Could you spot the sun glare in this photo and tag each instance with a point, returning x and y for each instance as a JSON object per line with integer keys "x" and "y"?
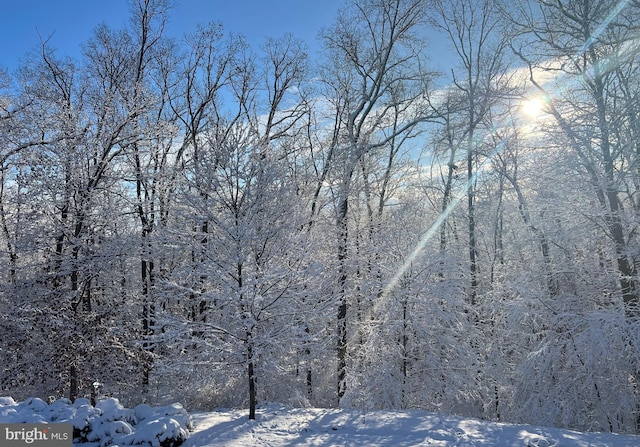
{"x": 532, "y": 107}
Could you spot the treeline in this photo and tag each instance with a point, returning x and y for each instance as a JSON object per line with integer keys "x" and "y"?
{"x": 200, "y": 220}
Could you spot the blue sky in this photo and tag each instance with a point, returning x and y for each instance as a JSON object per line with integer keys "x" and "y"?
{"x": 71, "y": 22}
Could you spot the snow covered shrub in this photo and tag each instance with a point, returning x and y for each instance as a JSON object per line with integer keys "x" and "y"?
{"x": 582, "y": 374}
{"x": 112, "y": 410}
{"x": 108, "y": 423}
{"x": 162, "y": 432}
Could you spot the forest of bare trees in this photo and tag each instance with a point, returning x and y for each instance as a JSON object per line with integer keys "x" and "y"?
{"x": 199, "y": 220}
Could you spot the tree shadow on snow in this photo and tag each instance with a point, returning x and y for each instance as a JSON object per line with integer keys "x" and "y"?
{"x": 277, "y": 425}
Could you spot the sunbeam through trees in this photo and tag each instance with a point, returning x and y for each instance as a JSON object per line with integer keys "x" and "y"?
{"x": 203, "y": 220}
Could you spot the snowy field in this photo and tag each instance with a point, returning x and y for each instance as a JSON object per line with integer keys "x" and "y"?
{"x": 110, "y": 424}
{"x": 279, "y": 426}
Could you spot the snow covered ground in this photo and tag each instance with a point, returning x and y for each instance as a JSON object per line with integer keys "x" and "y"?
{"x": 109, "y": 423}
{"x": 280, "y": 426}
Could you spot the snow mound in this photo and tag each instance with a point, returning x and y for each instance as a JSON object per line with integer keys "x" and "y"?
{"x": 165, "y": 432}
{"x": 108, "y": 423}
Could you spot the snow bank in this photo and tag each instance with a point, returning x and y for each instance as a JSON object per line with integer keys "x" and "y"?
{"x": 106, "y": 424}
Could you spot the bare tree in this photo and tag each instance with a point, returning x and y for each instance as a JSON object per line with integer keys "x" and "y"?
{"x": 482, "y": 81}
{"x": 242, "y": 195}
{"x": 373, "y": 70}
{"x": 592, "y": 43}
{"x": 580, "y": 56}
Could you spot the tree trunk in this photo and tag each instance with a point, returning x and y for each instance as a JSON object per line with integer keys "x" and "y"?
{"x": 342, "y": 307}
{"x": 252, "y": 379}
{"x": 405, "y": 349}
{"x": 473, "y": 251}
{"x": 73, "y": 383}
{"x": 309, "y": 375}
{"x": 148, "y": 309}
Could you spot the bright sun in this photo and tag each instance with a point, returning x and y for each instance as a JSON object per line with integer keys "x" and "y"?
{"x": 533, "y": 107}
